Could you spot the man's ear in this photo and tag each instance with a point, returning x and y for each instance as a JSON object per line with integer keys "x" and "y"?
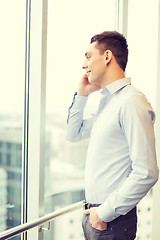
{"x": 108, "y": 56}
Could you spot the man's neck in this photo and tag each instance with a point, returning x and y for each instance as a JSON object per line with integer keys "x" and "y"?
{"x": 112, "y": 78}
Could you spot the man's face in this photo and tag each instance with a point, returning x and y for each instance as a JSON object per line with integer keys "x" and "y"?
{"x": 95, "y": 64}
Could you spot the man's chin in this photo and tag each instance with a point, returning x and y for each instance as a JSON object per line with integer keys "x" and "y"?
{"x": 92, "y": 81}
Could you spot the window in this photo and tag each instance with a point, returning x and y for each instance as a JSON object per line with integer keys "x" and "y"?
{"x": 69, "y": 31}
{"x": 71, "y": 24}
{"x": 142, "y": 41}
{"x": 12, "y": 74}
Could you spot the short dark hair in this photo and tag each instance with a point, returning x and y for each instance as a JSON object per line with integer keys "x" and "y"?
{"x": 116, "y": 43}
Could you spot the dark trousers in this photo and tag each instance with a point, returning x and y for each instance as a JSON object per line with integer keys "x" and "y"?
{"x": 122, "y": 228}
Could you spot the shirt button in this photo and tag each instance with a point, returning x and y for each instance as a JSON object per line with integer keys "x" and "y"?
{"x": 125, "y": 230}
{"x": 111, "y": 229}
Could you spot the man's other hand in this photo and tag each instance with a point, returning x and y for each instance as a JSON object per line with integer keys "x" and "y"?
{"x": 95, "y": 221}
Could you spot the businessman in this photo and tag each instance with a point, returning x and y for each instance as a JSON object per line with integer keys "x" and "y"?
{"x": 121, "y": 164}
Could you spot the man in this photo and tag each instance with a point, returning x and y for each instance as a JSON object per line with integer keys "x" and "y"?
{"x": 121, "y": 162}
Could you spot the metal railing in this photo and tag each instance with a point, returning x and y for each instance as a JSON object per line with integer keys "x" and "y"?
{"x": 39, "y": 222}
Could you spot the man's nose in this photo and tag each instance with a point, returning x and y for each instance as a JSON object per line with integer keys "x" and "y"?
{"x": 84, "y": 65}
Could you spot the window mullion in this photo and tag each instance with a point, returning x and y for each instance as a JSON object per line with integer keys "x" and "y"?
{"x": 36, "y": 145}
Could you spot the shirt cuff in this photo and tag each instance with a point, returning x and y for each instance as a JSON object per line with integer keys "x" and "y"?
{"x": 106, "y": 213}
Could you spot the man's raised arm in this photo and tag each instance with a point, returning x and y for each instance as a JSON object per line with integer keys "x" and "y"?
{"x": 79, "y": 128}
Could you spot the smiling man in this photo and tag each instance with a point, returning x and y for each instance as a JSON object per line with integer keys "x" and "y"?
{"x": 121, "y": 164}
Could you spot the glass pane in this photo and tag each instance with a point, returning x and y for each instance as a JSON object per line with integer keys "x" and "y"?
{"x": 142, "y": 41}
{"x": 142, "y": 68}
{"x": 12, "y": 75}
{"x": 71, "y": 24}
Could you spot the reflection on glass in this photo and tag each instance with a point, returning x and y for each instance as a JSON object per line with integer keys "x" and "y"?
{"x": 12, "y": 75}
{"x": 69, "y": 31}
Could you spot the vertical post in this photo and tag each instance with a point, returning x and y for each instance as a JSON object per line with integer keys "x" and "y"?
{"x": 37, "y": 96}
{"x": 26, "y": 120}
{"x": 121, "y": 23}
{"x": 156, "y": 189}
{"x": 116, "y": 24}
{"x": 121, "y": 18}
{"x": 43, "y": 104}
{"x": 43, "y": 111}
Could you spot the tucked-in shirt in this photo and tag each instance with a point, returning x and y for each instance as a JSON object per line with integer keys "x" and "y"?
{"x": 121, "y": 163}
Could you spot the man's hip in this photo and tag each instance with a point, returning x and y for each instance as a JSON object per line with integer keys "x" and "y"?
{"x": 122, "y": 228}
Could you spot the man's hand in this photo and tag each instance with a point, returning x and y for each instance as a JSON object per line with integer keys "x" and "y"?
{"x": 85, "y": 88}
{"x": 95, "y": 221}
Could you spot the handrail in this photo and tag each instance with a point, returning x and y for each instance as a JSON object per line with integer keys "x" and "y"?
{"x": 27, "y": 226}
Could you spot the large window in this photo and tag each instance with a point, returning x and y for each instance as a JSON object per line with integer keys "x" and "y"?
{"x": 12, "y": 75}
{"x": 142, "y": 40}
{"x": 55, "y": 166}
{"x": 71, "y": 24}
{"x": 142, "y": 68}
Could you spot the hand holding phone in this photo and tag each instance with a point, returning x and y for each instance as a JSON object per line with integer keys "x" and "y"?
{"x": 85, "y": 87}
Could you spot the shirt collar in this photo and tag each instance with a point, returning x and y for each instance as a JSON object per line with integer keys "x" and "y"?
{"x": 116, "y": 85}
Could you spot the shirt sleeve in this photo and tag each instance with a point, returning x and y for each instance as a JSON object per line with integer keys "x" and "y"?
{"x": 137, "y": 122}
{"x": 78, "y": 128}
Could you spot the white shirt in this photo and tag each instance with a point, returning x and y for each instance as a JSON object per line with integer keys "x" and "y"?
{"x": 121, "y": 163}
